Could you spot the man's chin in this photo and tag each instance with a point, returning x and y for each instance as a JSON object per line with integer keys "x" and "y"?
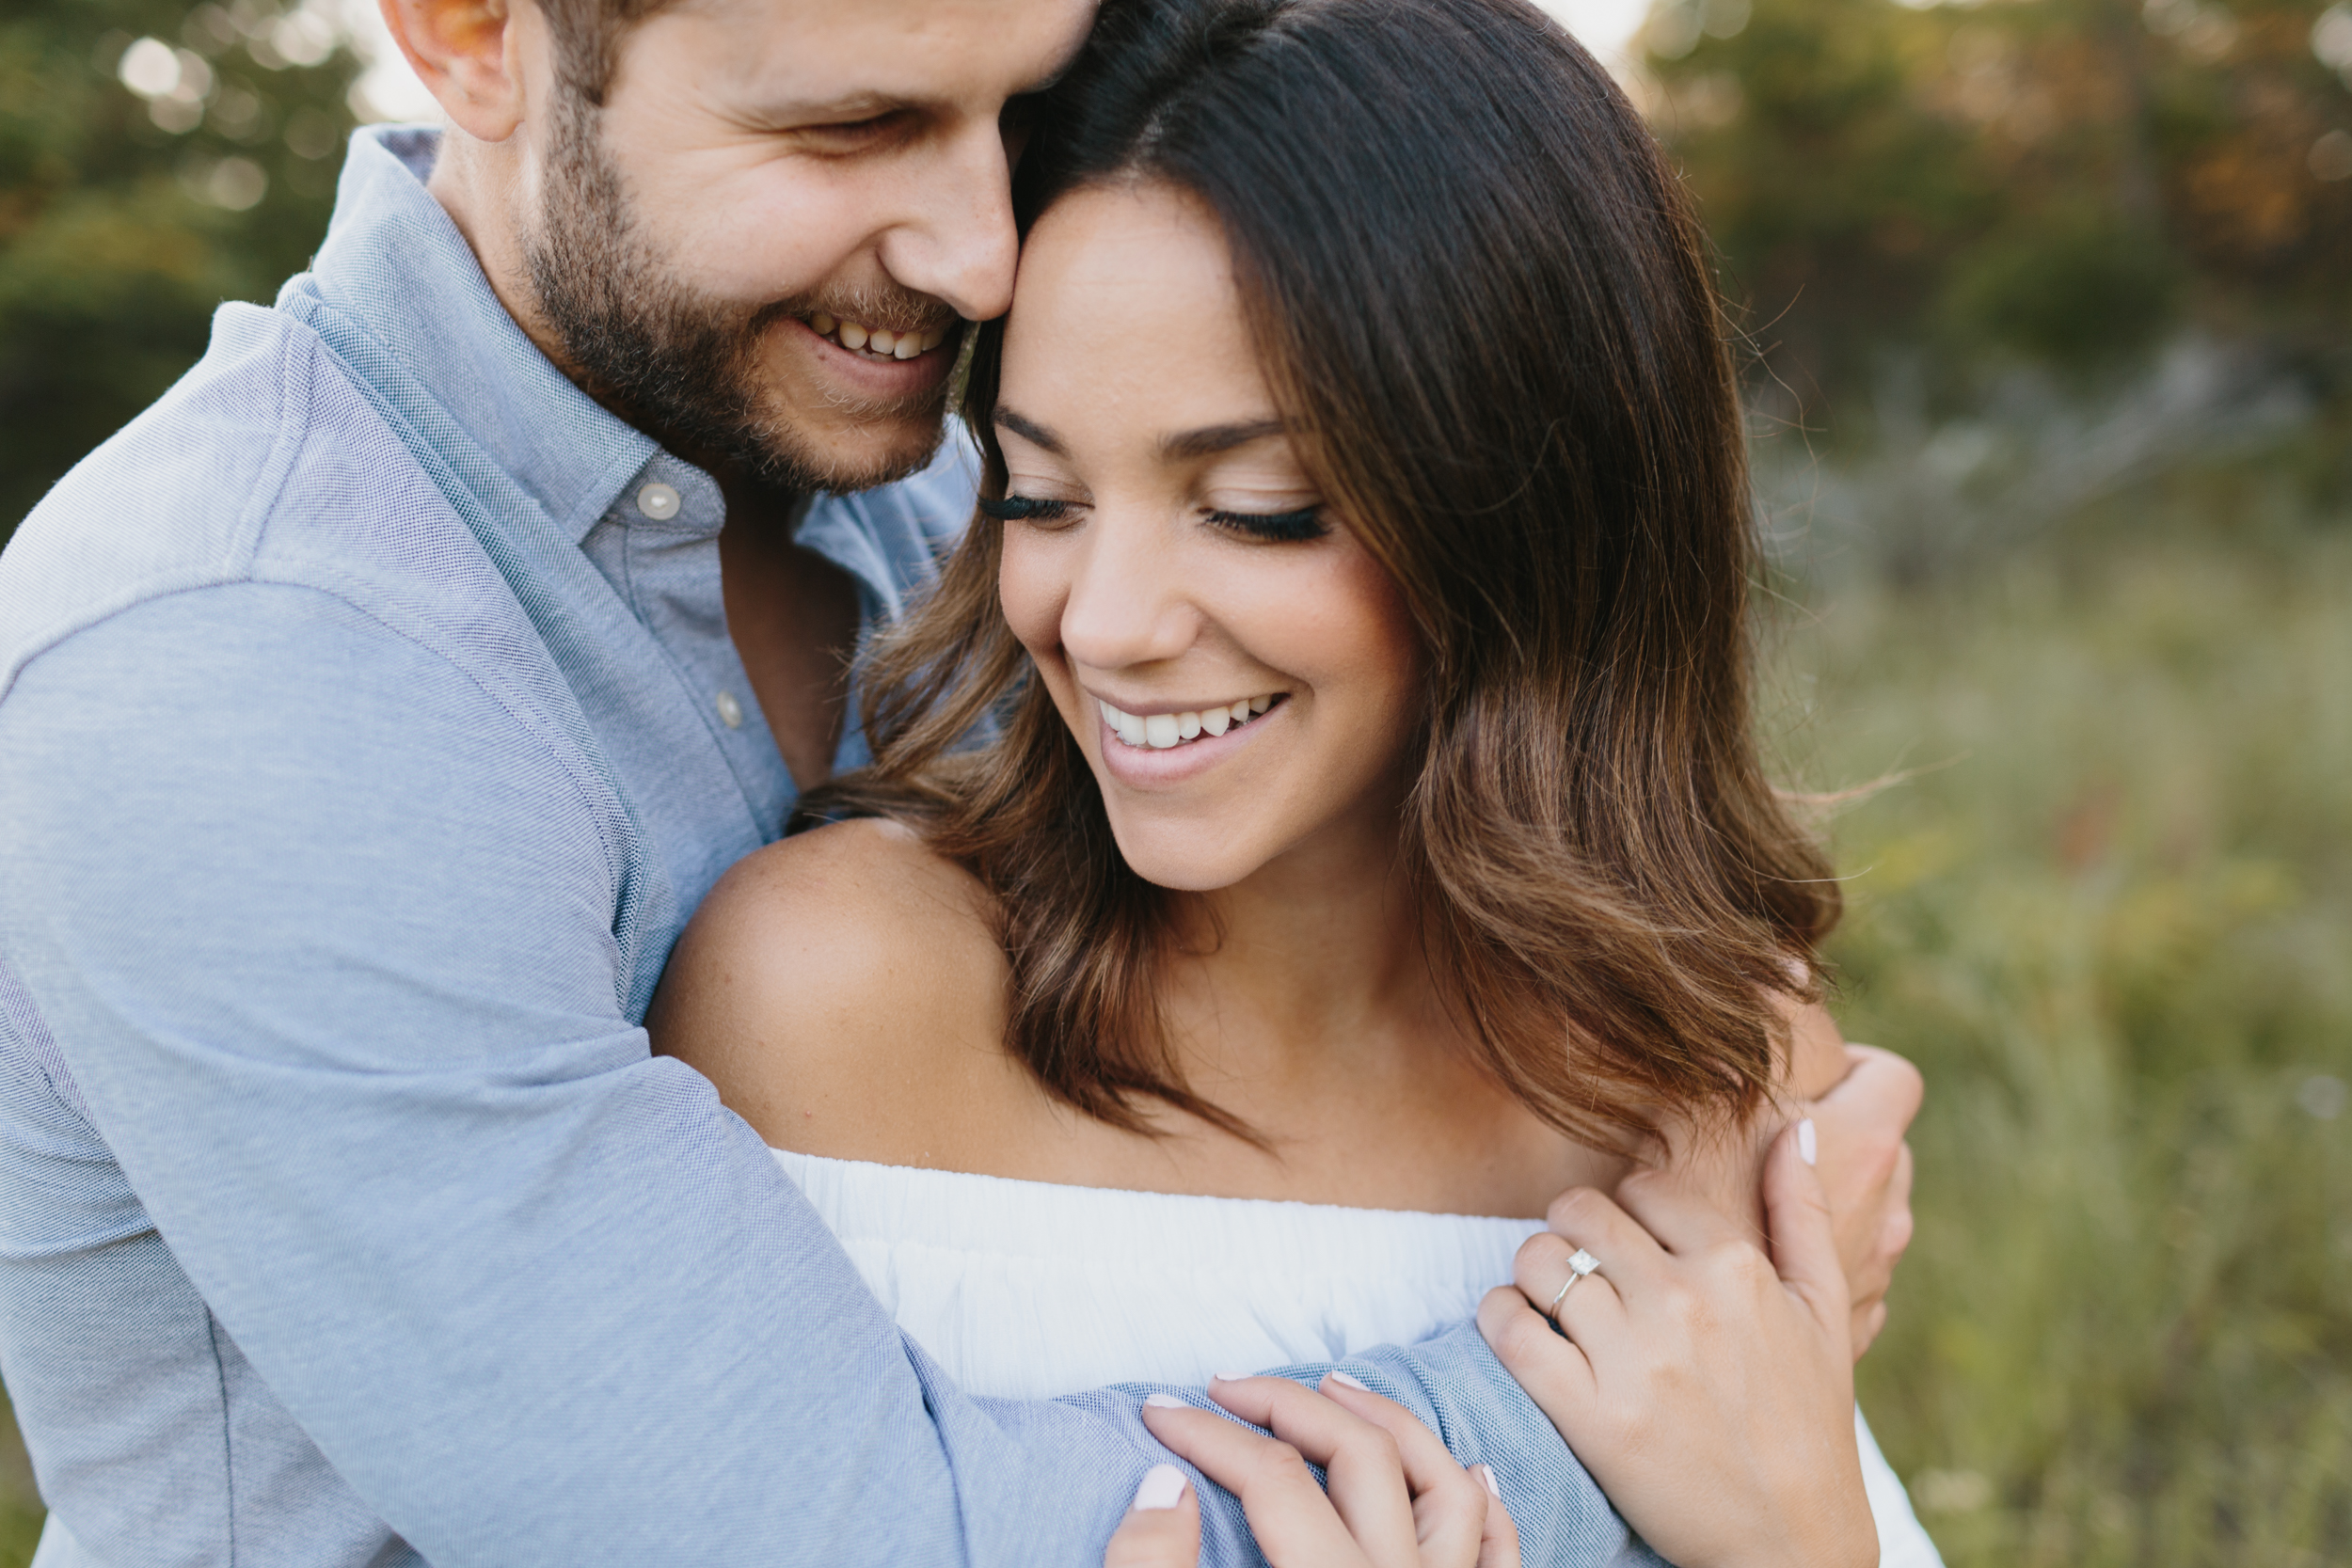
{"x": 863, "y": 454}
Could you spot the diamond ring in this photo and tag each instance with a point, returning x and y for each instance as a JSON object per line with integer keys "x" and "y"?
{"x": 1579, "y": 1264}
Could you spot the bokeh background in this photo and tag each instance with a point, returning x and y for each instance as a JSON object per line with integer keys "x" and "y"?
{"x": 2048, "y": 313}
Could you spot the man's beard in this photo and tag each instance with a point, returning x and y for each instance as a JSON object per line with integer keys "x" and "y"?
{"x": 680, "y": 366}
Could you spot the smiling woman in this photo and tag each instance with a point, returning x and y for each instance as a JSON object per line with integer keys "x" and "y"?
{"x": 1493, "y": 600}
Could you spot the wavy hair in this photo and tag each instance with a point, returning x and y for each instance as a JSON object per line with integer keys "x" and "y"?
{"x": 1471, "y": 276}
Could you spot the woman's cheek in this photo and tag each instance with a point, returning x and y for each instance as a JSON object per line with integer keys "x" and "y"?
{"x": 1030, "y": 593}
{"x": 1366, "y": 638}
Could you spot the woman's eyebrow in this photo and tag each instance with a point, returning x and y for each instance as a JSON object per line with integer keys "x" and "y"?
{"x": 1029, "y": 431}
{"x": 1204, "y": 442}
{"x": 1211, "y": 440}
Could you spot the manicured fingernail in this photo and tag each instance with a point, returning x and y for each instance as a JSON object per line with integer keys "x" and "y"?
{"x": 1164, "y": 1401}
{"x": 1349, "y": 1382}
{"x": 1162, "y": 1487}
{"x": 1486, "y": 1474}
{"x": 1229, "y": 1377}
{"x": 1808, "y": 1142}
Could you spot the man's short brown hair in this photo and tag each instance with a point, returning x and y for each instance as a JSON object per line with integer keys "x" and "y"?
{"x": 588, "y": 37}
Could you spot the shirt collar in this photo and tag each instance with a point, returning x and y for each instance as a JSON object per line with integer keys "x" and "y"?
{"x": 395, "y": 260}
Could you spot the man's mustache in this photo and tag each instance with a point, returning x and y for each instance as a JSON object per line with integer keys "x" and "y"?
{"x": 899, "y": 311}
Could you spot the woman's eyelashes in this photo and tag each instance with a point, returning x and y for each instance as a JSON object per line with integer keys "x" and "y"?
{"x": 1306, "y": 522}
{"x": 1300, "y": 523}
{"x": 1026, "y": 509}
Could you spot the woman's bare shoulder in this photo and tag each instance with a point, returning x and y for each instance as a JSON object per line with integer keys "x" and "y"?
{"x": 839, "y": 987}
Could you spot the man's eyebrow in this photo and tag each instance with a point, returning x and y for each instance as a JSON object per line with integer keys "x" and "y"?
{"x": 1030, "y": 431}
{"x": 1211, "y": 440}
{"x": 855, "y": 107}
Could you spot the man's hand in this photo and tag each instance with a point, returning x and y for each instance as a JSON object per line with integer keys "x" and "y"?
{"x": 1867, "y": 1099}
{"x": 1866, "y": 1171}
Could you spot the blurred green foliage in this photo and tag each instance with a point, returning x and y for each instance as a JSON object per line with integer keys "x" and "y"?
{"x": 2111, "y": 918}
{"x": 126, "y": 217}
{"x": 2066, "y": 184}
{"x": 19, "y": 1506}
{"x": 19, "y": 1531}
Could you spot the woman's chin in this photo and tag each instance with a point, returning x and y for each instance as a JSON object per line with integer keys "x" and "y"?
{"x": 1181, "y": 859}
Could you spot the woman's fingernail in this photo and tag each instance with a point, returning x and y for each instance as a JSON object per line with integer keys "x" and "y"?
{"x": 1343, "y": 1379}
{"x": 1164, "y": 1401}
{"x": 1486, "y": 1474}
{"x": 1808, "y": 1142}
{"x": 1229, "y": 1377}
{"x": 1162, "y": 1487}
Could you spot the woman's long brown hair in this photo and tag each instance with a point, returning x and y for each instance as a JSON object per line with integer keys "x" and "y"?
{"x": 1481, "y": 297}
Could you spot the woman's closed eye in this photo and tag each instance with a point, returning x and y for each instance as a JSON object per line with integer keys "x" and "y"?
{"x": 1292, "y": 526}
{"x": 1305, "y": 522}
{"x": 1026, "y": 509}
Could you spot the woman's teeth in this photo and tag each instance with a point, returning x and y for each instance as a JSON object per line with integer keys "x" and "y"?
{"x": 1161, "y": 730}
{"x": 880, "y": 342}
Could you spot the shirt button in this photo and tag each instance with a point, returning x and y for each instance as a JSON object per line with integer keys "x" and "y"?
{"x": 659, "y": 501}
{"x": 730, "y": 711}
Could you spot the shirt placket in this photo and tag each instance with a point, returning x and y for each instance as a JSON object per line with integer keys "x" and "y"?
{"x": 659, "y": 544}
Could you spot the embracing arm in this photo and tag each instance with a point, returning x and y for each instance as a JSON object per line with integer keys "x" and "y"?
{"x": 325, "y": 937}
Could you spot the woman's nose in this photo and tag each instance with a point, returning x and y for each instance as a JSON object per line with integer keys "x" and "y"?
{"x": 1127, "y": 603}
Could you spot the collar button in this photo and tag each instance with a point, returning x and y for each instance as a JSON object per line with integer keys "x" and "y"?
{"x": 659, "y": 501}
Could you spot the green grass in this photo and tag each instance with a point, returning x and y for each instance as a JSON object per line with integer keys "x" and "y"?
{"x": 19, "y": 1510}
{"x": 19, "y": 1532}
{"x": 2113, "y": 926}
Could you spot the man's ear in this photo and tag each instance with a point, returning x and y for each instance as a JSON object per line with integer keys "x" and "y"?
{"x": 464, "y": 52}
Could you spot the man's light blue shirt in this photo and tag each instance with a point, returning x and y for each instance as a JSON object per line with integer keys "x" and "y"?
{"x": 365, "y": 741}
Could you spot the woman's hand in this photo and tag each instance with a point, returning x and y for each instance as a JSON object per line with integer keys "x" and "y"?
{"x": 1397, "y": 1499}
{"x": 1708, "y": 1388}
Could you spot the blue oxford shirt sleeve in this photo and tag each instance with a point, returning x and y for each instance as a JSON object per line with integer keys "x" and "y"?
{"x": 321, "y": 933}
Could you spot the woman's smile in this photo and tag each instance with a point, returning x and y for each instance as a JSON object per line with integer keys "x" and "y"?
{"x": 1170, "y": 747}
{"x": 1164, "y": 727}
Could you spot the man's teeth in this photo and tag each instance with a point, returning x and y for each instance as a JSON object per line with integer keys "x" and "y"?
{"x": 1161, "y": 730}
{"x": 878, "y": 341}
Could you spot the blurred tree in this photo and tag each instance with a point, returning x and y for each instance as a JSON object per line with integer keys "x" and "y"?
{"x": 2061, "y": 181}
{"x": 2058, "y": 182}
{"x": 156, "y": 159}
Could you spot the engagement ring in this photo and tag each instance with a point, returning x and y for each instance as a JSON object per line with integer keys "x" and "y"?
{"x": 1581, "y": 1263}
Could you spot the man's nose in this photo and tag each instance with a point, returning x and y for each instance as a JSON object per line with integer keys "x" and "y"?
{"x": 1127, "y": 605}
{"x": 958, "y": 243}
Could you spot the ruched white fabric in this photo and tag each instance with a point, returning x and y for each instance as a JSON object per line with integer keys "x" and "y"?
{"x": 1030, "y": 1290}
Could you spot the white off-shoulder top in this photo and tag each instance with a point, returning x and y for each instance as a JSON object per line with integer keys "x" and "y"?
{"x": 1029, "y": 1290}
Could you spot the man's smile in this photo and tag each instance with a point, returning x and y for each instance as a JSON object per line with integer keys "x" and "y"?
{"x": 877, "y": 343}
